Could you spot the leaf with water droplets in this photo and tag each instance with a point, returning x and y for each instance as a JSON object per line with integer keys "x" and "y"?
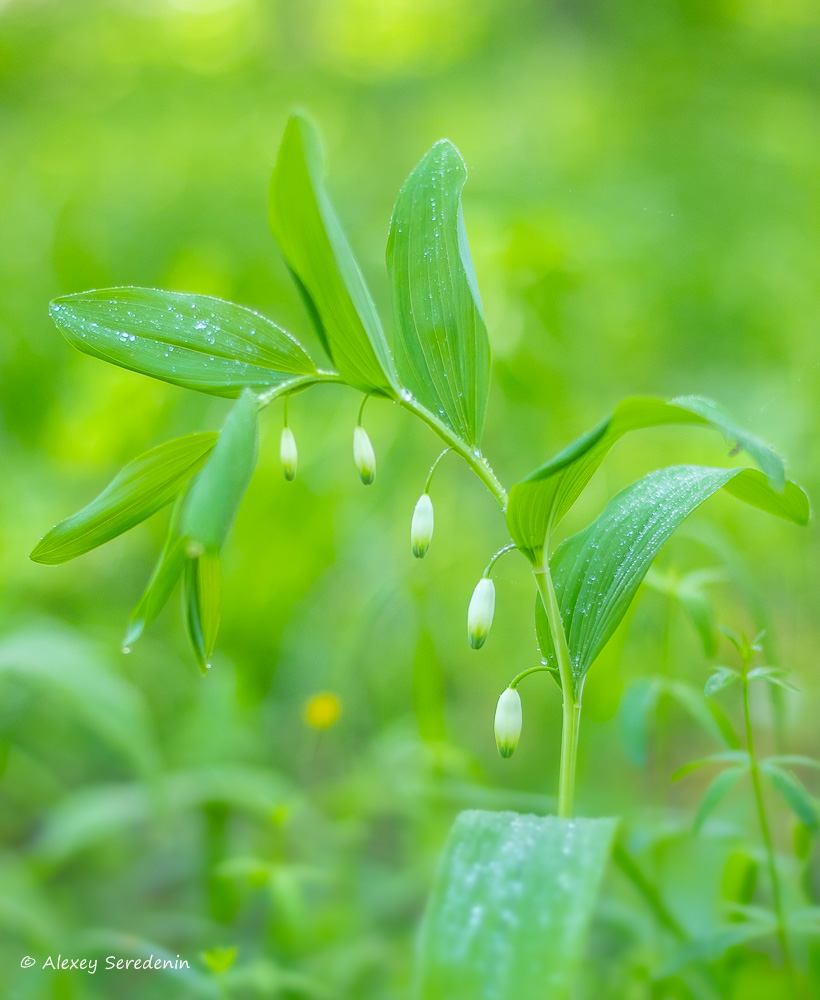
{"x": 442, "y": 350}
{"x": 143, "y": 487}
{"x": 194, "y": 341}
{"x": 597, "y": 572}
{"x": 511, "y": 906}
{"x": 539, "y": 501}
{"x": 321, "y": 261}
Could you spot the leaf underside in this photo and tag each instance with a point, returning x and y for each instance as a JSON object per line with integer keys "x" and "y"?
{"x": 597, "y": 572}
{"x": 441, "y": 345}
{"x": 538, "y": 502}
{"x": 511, "y": 906}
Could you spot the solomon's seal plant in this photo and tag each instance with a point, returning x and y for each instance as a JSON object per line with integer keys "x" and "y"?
{"x": 438, "y": 369}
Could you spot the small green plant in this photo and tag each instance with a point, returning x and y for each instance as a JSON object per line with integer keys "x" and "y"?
{"x": 438, "y": 370}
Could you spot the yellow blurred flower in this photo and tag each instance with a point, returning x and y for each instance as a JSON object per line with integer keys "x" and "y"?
{"x": 322, "y": 710}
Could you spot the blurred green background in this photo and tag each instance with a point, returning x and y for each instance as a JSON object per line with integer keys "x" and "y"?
{"x": 643, "y": 209}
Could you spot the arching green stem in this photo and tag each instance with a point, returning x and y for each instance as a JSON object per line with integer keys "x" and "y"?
{"x": 496, "y": 556}
{"x": 526, "y": 673}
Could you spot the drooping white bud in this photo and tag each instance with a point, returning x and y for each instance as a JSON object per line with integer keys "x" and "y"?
{"x": 421, "y": 527}
{"x": 480, "y": 612}
{"x": 508, "y": 720}
{"x": 364, "y": 456}
{"x": 288, "y": 454}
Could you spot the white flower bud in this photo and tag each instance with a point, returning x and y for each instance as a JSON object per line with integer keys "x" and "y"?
{"x": 288, "y": 454}
{"x": 421, "y": 527}
{"x": 508, "y": 719}
{"x": 364, "y": 456}
{"x": 480, "y": 612}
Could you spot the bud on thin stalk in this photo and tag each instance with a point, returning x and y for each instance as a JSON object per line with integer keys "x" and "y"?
{"x": 480, "y": 612}
{"x": 364, "y": 456}
{"x": 421, "y": 527}
{"x": 288, "y": 454}
{"x": 508, "y": 720}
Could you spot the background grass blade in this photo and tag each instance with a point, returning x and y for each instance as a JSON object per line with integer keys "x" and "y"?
{"x": 511, "y": 906}
{"x": 442, "y": 350}
{"x": 194, "y": 341}
{"x": 321, "y": 261}
{"x": 540, "y": 500}
{"x": 143, "y": 487}
{"x": 597, "y": 572}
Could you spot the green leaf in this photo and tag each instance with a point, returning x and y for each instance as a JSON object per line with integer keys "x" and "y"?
{"x": 167, "y": 571}
{"x": 539, "y": 501}
{"x": 142, "y": 488}
{"x": 201, "y": 581}
{"x": 217, "y": 491}
{"x": 720, "y": 679}
{"x": 772, "y": 675}
{"x": 726, "y": 756}
{"x": 194, "y": 341}
{"x": 510, "y": 907}
{"x": 220, "y": 959}
{"x": 597, "y": 572}
{"x": 715, "y": 793}
{"x": 441, "y": 345}
{"x": 321, "y": 261}
{"x": 58, "y": 665}
{"x": 794, "y": 792}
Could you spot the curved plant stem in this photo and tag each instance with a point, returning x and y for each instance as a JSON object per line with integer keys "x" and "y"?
{"x": 474, "y": 459}
{"x": 526, "y": 673}
{"x": 433, "y": 468}
{"x": 765, "y": 830}
{"x": 496, "y": 556}
{"x": 571, "y": 699}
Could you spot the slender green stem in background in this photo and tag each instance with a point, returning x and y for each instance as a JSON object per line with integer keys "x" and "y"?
{"x": 526, "y": 673}
{"x": 765, "y": 830}
{"x": 433, "y": 468}
{"x": 571, "y": 703}
{"x": 285, "y": 412}
{"x": 496, "y": 556}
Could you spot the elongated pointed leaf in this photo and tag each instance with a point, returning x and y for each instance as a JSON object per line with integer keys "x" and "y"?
{"x": 167, "y": 571}
{"x": 321, "y": 261}
{"x": 720, "y": 679}
{"x": 795, "y": 794}
{"x": 597, "y": 572}
{"x": 726, "y": 757}
{"x": 142, "y": 488}
{"x": 441, "y": 345}
{"x": 217, "y": 491}
{"x": 511, "y": 906}
{"x": 194, "y": 341}
{"x": 201, "y": 582}
{"x": 539, "y": 501}
{"x": 716, "y": 792}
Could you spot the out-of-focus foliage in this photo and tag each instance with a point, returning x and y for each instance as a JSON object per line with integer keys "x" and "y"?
{"x": 643, "y": 208}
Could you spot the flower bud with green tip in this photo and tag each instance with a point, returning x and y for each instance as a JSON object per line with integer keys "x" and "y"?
{"x": 508, "y": 720}
{"x": 364, "y": 456}
{"x": 288, "y": 454}
{"x": 421, "y": 527}
{"x": 480, "y": 612}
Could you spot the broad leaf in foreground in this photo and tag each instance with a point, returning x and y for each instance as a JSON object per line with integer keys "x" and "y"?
{"x": 194, "y": 341}
{"x": 321, "y": 261}
{"x": 539, "y": 501}
{"x": 441, "y": 345}
{"x": 142, "y": 488}
{"x": 597, "y": 572}
{"x": 511, "y": 906}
